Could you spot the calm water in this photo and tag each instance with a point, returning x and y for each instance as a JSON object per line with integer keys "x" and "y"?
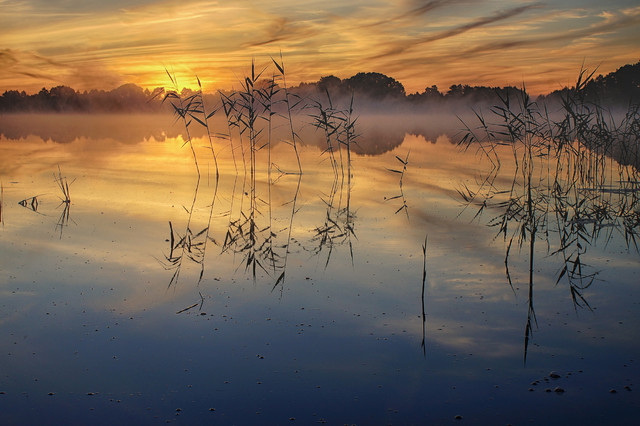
{"x": 106, "y": 317}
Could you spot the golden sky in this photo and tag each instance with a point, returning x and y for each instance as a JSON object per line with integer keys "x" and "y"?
{"x": 102, "y": 44}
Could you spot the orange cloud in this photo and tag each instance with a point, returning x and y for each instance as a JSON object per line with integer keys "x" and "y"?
{"x": 420, "y": 43}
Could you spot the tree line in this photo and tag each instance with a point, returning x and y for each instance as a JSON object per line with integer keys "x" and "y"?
{"x": 619, "y": 87}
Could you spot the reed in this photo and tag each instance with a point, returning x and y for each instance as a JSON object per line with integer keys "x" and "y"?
{"x": 65, "y": 216}
{"x": 230, "y": 111}
{"x": 290, "y": 104}
{"x": 184, "y": 108}
{"x": 339, "y": 223}
{"x": 424, "y": 281}
{"x": 339, "y": 128}
{"x": 405, "y": 163}
{"x": 325, "y": 119}
{"x": 200, "y": 108}
{"x": 253, "y": 112}
{"x": 576, "y": 180}
{"x": 63, "y": 185}
{"x": 185, "y": 246}
{"x": 1, "y": 203}
{"x": 281, "y": 278}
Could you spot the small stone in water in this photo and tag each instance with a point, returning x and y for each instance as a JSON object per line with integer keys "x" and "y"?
{"x": 554, "y": 375}
{"x": 613, "y": 391}
{"x": 558, "y": 390}
{"x": 458, "y": 417}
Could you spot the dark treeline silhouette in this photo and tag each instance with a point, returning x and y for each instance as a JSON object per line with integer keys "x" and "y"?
{"x": 621, "y": 87}
{"x": 370, "y": 89}
{"x": 126, "y": 98}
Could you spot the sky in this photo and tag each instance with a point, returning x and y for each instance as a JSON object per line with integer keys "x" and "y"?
{"x": 99, "y": 44}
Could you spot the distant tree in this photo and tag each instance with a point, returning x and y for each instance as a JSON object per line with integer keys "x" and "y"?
{"x": 330, "y": 83}
{"x": 64, "y": 98}
{"x": 375, "y": 85}
{"x": 432, "y": 93}
{"x": 13, "y": 100}
{"x": 619, "y": 87}
{"x": 429, "y": 94}
{"x": 455, "y": 90}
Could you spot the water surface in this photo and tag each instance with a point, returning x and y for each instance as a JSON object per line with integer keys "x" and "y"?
{"x": 97, "y": 326}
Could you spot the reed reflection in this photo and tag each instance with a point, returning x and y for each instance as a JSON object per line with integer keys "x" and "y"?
{"x": 190, "y": 244}
{"x": 338, "y": 127}
{"x": 33, "y": 202}
{"x": 404, "y": 206}
{"x": 1, "y": 203}
{"x": 251, "y": 114}
{"x": 575, "y": 183}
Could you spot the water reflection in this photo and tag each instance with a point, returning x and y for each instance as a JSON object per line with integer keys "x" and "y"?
{"x": 190, "y": 244}
{"x": 566, "y": 190}
{"x": 404, "y": 206}
{"x": 30, "y": 203}
{"x": 384, "y": 132}
{"x": 65, "y": 200}
{"x": 1, "y": 203}
{"x": 339, "y": 129}
{"x": 365, "y": 318}
{"x": 338, "y": 226}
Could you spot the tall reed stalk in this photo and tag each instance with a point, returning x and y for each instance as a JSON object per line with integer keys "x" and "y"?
{"x": 253, "y": 113}
{"x": 201, "y": 109}
{"x": 424, "y": 281}
{"x": 1, "y": 203}
{"x": 290, "y": 107}
{"x": 184, "y": 108}
{"x": 576, "y": 178}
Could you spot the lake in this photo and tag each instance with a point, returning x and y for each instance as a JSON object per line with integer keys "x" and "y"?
{"x": 135, "y": 289}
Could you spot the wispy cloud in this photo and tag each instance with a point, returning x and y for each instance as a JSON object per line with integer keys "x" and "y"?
{"x": 612, "y": 24}
{"x": 542, "y": 59}
{"x": 29, "y": 64}
{"x": 93, "y": 43}
{"x": 405, "y": 45}
{"x": 281, "y": 30}
{"x": 413, "y": 13}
